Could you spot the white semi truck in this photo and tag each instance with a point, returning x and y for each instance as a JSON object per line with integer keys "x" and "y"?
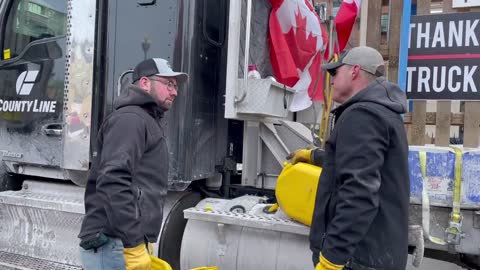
{"x": 64, "y": 62}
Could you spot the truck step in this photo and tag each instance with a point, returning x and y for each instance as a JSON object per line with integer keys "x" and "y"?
{"x": 9, "y": 261}
{"x": 42, "y": 221}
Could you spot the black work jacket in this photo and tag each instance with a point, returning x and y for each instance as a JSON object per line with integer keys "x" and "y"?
{"x": 361, "y": 209}
{"x": 128, "y": 181}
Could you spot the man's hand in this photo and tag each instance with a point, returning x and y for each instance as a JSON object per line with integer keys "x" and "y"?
{"x": 301, "y": 155}
{"x": 324, "y": 264}
{"x": 137, "y": 258}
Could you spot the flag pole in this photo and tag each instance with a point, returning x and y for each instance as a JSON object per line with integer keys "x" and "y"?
{"x": 327, "y": 89}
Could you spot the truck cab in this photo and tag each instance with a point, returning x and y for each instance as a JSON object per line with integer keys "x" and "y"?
{"x": 32, "y": 79}
{"x": 63, "y": 64}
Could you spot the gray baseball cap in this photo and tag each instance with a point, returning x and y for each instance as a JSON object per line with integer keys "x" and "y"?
{"x": 369, "y": 60}
{"x": 159, "y": 67}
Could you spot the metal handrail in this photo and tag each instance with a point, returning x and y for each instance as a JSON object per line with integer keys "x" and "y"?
{"x": 247, "y": 52}
{"x": 119, "y": 82}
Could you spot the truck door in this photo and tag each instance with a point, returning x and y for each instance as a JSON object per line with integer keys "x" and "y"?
{"x": 32, "y": 79}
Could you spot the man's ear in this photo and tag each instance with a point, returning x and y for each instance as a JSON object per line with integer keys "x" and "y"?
{"x": 355, "y": 71}
{"x": 144, "y": 83}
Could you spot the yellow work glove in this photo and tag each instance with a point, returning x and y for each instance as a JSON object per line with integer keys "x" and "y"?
{"x": 324, "y": 264}
{"x": 301, "y": 155}
{"x": 157, "y": 263}
{"x": 137, "y": 258}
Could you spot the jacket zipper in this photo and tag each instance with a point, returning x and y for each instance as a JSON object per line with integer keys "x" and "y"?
{"x": 323, "y": 239}
{"x": 138, "y": 212}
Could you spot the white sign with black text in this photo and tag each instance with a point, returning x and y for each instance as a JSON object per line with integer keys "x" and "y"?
{"x": 444, "y": 57}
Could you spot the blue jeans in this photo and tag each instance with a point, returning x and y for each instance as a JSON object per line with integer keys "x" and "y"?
{"x": 106, "y": 257}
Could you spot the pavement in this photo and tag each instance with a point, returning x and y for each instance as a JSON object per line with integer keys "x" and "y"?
{"x": 431, "y": 264}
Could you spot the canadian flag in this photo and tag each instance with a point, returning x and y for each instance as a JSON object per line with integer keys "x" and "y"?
{"x": 297, "y": 40}
{"x": 345, "y": 20}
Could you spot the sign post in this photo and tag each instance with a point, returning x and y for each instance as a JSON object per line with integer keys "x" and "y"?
{"x": 402, "y": 65}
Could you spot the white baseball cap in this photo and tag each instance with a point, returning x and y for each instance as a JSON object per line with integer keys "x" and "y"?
{"x": 158, "y": 67}
{"x": 369, "y": 60}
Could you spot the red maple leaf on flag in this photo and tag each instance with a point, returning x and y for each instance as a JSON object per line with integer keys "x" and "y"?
{"x": 296, "y": 41}
{"x": 305, "y": 43}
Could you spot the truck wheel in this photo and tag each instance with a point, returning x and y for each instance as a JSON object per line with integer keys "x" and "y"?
{"x": 174, "y": 224}
{"x": 472, "y": 262}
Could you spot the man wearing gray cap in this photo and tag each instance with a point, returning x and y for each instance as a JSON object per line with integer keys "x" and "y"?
{"x": 360, "y": 219}
{"x": 127, "y": 184}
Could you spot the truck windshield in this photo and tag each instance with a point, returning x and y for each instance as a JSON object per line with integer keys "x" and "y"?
{"x": 30, "y": 20}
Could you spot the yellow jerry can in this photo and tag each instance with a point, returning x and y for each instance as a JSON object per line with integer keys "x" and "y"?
{"x": 296, "y": 190}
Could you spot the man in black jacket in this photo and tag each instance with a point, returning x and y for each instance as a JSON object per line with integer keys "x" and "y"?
{"x": 360, "y": 220}
{"x": 128, "y": 180}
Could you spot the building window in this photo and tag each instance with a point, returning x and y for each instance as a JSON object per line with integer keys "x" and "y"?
{"x": 384, "y": 23}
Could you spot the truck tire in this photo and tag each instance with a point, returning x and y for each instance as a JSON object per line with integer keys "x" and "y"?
{"x": 174, "y": 223}
{"x": 472, "y": 262}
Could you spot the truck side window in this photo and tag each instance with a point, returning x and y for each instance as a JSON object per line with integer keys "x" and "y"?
{"x": 30, "y": 20}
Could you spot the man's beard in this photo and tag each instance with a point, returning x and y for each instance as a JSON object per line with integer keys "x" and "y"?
{"x": 161, "y": 104}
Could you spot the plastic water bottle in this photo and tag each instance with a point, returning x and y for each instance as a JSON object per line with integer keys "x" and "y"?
{"x": 253, "y": 72}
